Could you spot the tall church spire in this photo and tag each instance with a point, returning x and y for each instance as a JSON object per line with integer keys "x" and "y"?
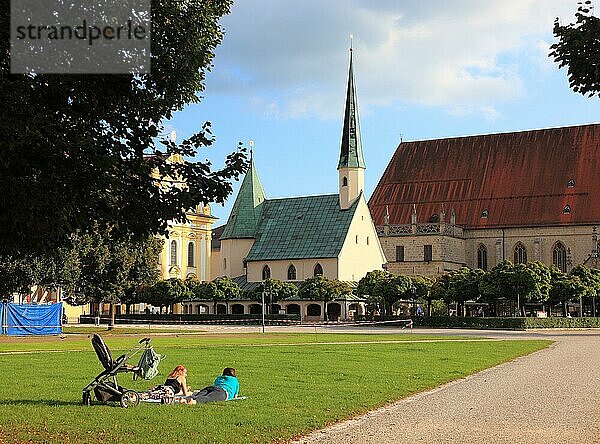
{"x": 351, "y": 167}
{"x": 351, "y": 149}
{"x": 247, "y": 209}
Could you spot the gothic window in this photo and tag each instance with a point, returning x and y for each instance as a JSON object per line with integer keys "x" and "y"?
{"x": 399, "y": 253}
{"x": 291, "y": 273}
{"x": 191, "y": 255}
{"x": 482, "y": 257}
{"x": 318, "y": 270}
{"x": 266, "y": 274}
{"x": 224, "y": 263}
{"x": 559, "y": 256}
{"x": 345, "y": 182}
{"x": 520, "y": 253}
{"x": 173, "y": 252}
{"x": 427, "y": 253}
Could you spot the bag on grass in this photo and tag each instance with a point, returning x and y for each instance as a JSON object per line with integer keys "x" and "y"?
{"x": 148, "y": 365}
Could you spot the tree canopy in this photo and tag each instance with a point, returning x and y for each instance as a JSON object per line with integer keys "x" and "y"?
{"x": 577, "y": 49}
{"x": 78, "y": 149}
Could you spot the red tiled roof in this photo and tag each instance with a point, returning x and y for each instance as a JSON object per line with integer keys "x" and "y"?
{"x": 520, "y": 178}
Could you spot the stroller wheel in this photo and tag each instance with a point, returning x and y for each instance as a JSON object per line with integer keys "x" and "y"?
{"x": 86, "y": 398}
{"x": 129, "y": 398}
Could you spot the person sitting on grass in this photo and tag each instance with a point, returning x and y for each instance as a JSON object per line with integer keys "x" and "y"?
{"x": 225, "y": 387}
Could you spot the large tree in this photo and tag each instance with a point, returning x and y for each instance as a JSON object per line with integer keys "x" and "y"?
{"x": 82, "y": 148}
{"x": 577, "y": 49}
{"x": 110, "y": 266}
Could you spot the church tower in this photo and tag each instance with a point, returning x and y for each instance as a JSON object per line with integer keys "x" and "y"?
{"x": 240, "y": 232}
{"x": 351, "y": 167}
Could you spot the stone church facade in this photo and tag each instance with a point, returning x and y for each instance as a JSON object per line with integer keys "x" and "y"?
{"x": 476, "y": 201}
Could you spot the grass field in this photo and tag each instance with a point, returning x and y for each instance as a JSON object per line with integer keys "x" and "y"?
{"x": 295, "y": 383}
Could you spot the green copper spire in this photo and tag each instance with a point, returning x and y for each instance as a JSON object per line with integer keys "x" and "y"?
{"x": 247, "y": 209}
{"x": 351, "y": 151}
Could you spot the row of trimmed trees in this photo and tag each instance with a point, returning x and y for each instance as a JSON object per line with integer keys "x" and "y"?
{"x": 517, "y": 284}
{"x": 223, "y": 289}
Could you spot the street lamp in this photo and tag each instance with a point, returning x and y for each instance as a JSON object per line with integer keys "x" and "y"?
{"x": 262, "y": 294}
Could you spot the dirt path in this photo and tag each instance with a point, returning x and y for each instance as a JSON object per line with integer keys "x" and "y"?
{"x": 551, "y": 396}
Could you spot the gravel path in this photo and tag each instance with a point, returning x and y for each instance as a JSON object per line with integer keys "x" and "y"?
{"x": 551, "y": 396}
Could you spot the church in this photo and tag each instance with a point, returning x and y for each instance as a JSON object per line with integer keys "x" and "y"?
{"x": 475, "y": 201}
{"x": 295, "y": 238}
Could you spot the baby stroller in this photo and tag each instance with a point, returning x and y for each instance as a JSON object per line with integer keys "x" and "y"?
{"x": 105, "y": 386}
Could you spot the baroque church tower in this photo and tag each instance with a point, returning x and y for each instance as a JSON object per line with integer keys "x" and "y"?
{"x": 351, "y": 167}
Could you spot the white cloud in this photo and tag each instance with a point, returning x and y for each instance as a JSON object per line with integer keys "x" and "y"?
{"x": 288, "y": 56}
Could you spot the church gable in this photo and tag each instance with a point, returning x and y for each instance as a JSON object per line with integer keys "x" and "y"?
{"x": 301, "y": 228}
{"x": 530, "y": 178}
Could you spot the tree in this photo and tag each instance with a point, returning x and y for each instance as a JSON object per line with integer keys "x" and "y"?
{"x": 422, "y": 286}
{"x": 577, "y": 49}
{"x": 207, "y": 291}
{"x": 439, "y": 289}
{"x": 464, "y": 285}
{"x": 319, "y": 288}
{"x": 590, "y": 280}
{"x": 275, "y": 290}
{"x": 564, "y": 288}
{"x": 371, "y": 286}
{"x": 165, "y": 293}
{"x": 520, "y": 282}
{"x": 109, "y": 265}
{"x": 75, "y": 147}
{"x": 227, "y": 289}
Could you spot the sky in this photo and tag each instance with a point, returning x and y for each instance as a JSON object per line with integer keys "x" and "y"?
{"x": 424, "y": 69}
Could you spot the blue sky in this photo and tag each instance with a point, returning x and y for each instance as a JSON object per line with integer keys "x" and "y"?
{"x": 424, "y": 69}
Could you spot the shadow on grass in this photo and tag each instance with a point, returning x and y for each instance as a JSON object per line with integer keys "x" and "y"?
{"x": 48, "y": 402}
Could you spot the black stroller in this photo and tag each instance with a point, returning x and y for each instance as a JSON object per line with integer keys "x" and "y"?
{"x": 105, "y": 386}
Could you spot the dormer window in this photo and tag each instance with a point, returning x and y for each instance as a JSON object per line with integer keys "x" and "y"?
{"x": 567, "y": 209}
{"x": 485, "y": 213}
{"x": 571, "y": 183}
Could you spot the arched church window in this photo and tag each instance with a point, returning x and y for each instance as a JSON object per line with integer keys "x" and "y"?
{"x": 291, "y": 273}
{"x": 266, "y": 273}
{"x": 191, "y": 255}
{"x": 318, "y": 271}
{"x": 173, "y": 252}
{"x": 482, "y": 257}
{"x": 559, "y": 256}
{"x": 345, "y": 181}
{"x": 520, "y": 253}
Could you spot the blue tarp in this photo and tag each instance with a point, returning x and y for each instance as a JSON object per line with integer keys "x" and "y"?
{"x": 32, "y": 319}
{"x": 2, "y": 327}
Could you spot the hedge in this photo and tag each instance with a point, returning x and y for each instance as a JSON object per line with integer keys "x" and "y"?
{"x": 242, "y": 319}
{"x": 487, "y": 323}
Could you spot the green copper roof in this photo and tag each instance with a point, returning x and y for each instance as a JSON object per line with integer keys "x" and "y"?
{"x": 247, "y": 209}
{"x": 301, "y": 228}
{"x": 351, "y": 150}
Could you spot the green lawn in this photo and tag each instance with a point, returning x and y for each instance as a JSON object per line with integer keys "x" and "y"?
{"x": 311, "y": 381}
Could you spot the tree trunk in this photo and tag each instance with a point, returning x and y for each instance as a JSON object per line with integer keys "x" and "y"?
{"x": 564, "y": 309}
{"x": 429, "y": 307}
{"x": 325, "y": 310}
{"x": 111, "y": 322}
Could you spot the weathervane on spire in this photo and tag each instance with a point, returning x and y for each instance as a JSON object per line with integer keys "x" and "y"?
{"x": 351, "y": 38}
{"x": 251, "y": 143}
